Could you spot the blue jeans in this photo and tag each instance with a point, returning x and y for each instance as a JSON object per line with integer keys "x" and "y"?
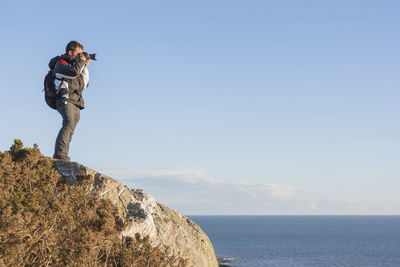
{"x": 70, "y": 115}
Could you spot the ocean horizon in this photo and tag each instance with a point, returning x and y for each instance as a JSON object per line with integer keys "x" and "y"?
{"x": 303, "y": 240}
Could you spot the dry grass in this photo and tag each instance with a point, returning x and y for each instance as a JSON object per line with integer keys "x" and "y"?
{"x": 45, "y": 222}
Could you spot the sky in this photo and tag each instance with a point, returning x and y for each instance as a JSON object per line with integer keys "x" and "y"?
{"x": 220, "y": 107}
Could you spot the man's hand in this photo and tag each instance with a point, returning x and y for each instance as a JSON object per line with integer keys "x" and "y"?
{"x": 87, "y": 61}
{"x": 82, "y": 56}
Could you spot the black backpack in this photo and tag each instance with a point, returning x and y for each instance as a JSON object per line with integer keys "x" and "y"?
{"x": 50, "y": 93}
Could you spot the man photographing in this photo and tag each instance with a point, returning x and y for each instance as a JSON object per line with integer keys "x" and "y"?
{"x": 71, "y": 78}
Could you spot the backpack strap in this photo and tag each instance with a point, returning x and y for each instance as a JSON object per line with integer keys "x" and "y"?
{"x": 58, "y": 90}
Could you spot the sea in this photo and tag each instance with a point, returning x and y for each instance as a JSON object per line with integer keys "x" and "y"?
{"x": 303, "y": 240}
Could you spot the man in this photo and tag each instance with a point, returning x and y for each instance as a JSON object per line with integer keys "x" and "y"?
{"x": 72, "y": 77}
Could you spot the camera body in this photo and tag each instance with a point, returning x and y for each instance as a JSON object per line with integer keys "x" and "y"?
{"x": 89, "y": 56}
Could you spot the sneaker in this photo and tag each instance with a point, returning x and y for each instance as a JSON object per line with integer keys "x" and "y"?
{"x": 66, "y": 158}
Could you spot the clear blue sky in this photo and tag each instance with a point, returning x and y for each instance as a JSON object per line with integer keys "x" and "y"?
{"x": 221, "y": 107}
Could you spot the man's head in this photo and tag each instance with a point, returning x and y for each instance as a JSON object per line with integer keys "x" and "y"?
{"x": 74, "y": 49}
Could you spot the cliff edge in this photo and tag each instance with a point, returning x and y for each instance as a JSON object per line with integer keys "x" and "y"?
{"x": 144, "y": 215}
{"x": 60, "y": 213}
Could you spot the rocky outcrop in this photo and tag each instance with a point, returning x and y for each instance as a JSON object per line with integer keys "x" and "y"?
{"x": 144, "y": 215}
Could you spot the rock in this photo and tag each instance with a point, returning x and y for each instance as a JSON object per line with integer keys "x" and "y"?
{"x": 144, "y": 215}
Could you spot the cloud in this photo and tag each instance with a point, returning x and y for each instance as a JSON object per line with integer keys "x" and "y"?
{"x": 193, "y": 192}
{"x": 188, "y": 176}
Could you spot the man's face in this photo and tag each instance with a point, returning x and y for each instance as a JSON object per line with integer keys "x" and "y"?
{"x": 76, "y": 53}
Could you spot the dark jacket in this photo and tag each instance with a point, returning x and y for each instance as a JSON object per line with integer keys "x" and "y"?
{"x": 70, "y": 70}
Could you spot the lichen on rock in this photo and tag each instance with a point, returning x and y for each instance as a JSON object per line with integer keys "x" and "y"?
{"x": 142, "y": 214}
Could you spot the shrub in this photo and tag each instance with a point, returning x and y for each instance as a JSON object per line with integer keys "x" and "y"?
{"x": 43, "y": 221}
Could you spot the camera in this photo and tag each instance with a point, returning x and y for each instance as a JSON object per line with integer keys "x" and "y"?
{"x": 89, "y": 56}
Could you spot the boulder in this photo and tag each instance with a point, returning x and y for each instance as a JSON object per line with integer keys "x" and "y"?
{"x": 144, "y": 215}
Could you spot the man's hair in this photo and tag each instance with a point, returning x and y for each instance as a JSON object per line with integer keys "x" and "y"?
{"x": 72, "y": 46}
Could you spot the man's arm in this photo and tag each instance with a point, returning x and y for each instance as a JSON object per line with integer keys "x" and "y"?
{"x": 85, "y": 77}
{"x": 69, "y": 71}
